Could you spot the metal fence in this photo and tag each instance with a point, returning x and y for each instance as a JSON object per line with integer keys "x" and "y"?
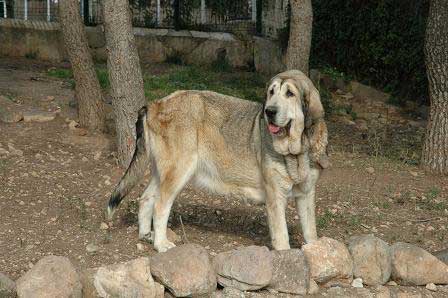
{"x": 205, "y": 15}
{"x": 43, "y": 10}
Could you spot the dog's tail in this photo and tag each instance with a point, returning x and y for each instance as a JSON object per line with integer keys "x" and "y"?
{"x": 137, "y": 167}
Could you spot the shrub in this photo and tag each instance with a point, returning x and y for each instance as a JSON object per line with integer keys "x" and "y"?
{"x": 378, "y": 42}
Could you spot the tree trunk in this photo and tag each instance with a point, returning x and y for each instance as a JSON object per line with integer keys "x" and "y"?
{"x": 125, "y": 75}
{"x": 87, "y": 89}
{"x": 435, "y": 149}
{"x": 300, "y": 28}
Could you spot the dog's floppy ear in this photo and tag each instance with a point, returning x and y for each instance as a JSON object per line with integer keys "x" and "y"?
{"x": 315, "y": 126}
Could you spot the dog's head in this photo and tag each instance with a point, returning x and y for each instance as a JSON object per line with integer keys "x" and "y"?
{"x": 294, "y": 114}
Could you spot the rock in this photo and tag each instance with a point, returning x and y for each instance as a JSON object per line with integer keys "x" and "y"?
{"x": 7, "y": 287}
{"x": 38, "y": 116}
{"x": 48, "y": 98}
{"x": 127, "y": 280}
{"x": 370, "y": 170}
{"x": 9, "y": 111}
{"x": 371, "y": 259}
{"x": 73, "y": 125}
{"x": 313, "y": 287}
{"x": 411, "y": 292}
{"x": 74, "y": 128}
{"x": 92, "y": 248}
{"x": 342, "y": 85}
{"x": 328, "y": 82}
{"x": 361, "y": 125}
{"x": 412, "y": 265}
{"x": 3, "y": 152}
{"x": 159, "y": 290}
{"x": 413, "y": 173}
{"x": 341, "y": 292}
{"x": 315, "y": 76}
{"x": 442, "y": 255}
{"x": 232, "y": 293}
{"x": 97, "y": 155}
{"x": 184, "y": 270}
{"x": 291, "y": 273}
{"x": 381, "y": 292}
{"x": 417, "y": 124}
{"x": 367, "y": 92}
{"x": 172, "y": 236}
{"x": 330, "y": 262}
{"x": 104, "y": 226}
{"x": 357, "y": 283}
{"x": 431, "y": 287}
{"x": 140, "y": 247}
{"x": 245, "y": 268}
{"x": 347, "y": 96}
{"x": 9, "y": 116}
{"x": 52, "y": 276}
{"x": 392, "y": 283}
{"x": 13, "y": 151}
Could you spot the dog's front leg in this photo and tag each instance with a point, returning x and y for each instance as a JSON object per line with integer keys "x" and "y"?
{"x": 306, "y": 209}
{"x": 305, "y": 202}
{"x": 276, "y": 208}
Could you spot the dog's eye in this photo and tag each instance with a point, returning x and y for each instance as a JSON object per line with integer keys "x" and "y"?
{"x": 272, "y": 91}
{"x": 289, "y": 93}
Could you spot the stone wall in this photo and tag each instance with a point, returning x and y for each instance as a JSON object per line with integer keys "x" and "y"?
{"x": 42, "y": 40}
{"x": 33, "y": 39}
{"x": 323, "y": 268}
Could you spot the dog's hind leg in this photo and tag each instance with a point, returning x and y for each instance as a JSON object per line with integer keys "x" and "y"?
{"x": 172, "y": 179}
{"x": 146, "y": 208}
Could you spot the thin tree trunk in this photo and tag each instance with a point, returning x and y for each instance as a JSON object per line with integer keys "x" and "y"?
{"x": 87, "y": 89}
{"x": 435, "y": 149}
{"x": 125, "y": 75}
{"x": 300, "y": 29}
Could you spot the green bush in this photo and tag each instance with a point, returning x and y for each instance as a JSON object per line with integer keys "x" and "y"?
{"x": 378, "y": 42}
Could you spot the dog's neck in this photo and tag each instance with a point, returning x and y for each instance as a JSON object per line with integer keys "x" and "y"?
{"x": 298, "y": 165}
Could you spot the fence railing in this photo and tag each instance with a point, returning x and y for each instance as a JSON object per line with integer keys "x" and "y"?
{"x": 44, "y": 10}
{"x": 205, "y": 15}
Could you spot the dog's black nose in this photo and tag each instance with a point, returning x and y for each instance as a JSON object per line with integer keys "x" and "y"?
{"x": 270, "y": 111}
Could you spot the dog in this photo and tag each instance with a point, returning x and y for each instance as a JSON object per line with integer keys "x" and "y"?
{"x": 266, "y": 153}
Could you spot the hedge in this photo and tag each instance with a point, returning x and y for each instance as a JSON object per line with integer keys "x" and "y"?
{"x": 378, "y": 42}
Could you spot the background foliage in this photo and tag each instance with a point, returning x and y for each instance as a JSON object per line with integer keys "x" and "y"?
{"x": 378, "y": 42}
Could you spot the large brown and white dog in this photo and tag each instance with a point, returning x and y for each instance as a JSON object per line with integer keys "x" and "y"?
{"x": 267, "y": 153}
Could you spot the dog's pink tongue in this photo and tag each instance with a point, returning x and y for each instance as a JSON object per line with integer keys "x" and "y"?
{"x": 273, "y": 128}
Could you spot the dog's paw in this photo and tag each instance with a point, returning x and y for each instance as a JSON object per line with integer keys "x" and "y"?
{"x": 149, "y": 237}
{"x": 163, "y": 246}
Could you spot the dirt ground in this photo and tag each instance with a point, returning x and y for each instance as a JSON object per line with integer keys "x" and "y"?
{"x": 52, "y": 199}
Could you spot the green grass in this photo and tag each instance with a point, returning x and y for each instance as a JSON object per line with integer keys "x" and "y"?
{"x": 218, "y": 78}
{"x": 67, "y": 74}
{"x": 60, "y": 73}
{"x": 249, "y": 86}
{"x": 433, "y": 193}
{"x": 324, "y": 220}
{"x": 103, "y": 78}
